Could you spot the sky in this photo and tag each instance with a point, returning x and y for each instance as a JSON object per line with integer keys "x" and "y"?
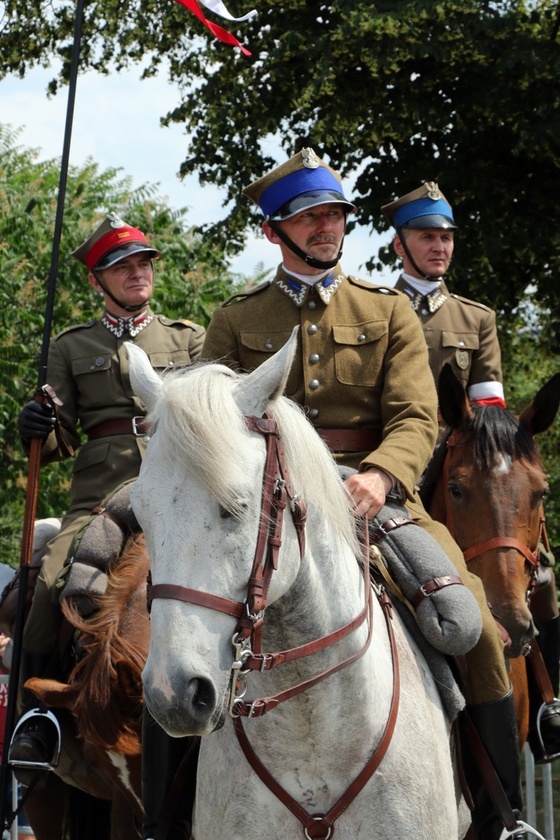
{"x": 117, "y": 123}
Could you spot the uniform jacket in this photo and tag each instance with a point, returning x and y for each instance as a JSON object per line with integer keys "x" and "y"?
{"x": 459, "y": 331}
{"x": 88, "y": 369}
{"x": 361, "y": 361}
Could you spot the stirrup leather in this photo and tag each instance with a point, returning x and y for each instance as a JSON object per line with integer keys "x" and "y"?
{"x": 37, "y": 765}
{"x": 555, "y": 706}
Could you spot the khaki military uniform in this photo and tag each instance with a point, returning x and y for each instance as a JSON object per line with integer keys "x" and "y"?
{"x": 361, "y": 364}
{"x": 88, "y": 369}
{"x": 458, "y": 331}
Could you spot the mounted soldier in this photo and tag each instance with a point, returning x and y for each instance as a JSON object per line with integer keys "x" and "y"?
{"x": 462, "y": 333}
{"x": 90, "y": 394}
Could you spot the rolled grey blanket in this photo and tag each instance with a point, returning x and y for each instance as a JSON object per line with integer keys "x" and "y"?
{"x": 97, "y": 545}
{"x": 446, "y": 611}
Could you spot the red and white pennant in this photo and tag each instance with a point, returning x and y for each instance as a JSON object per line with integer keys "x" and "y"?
{"x": 218, "y": 7}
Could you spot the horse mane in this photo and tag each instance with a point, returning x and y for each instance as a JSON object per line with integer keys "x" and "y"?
{"x": 107, "y": 679}
{"x": 198, "y": 416}
{"x": 497, "y": 432}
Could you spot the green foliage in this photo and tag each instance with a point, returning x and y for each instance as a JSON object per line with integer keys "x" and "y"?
{"x": 390, "y": 92}
{"x": 191, "y": 278}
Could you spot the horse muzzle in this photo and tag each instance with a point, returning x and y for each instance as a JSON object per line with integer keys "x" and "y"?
{"x": 189, "y": 708}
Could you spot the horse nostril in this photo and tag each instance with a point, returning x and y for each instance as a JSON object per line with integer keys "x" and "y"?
{"x": 201, "y": 695}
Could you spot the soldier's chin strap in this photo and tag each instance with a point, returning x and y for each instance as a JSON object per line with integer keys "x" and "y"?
{"x": 421, "y": 275}
{"x": 295, "y": 249}
{"x": 134, "y": 308}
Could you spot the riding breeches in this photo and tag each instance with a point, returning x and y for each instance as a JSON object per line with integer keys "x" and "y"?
{"x": 42, "y": 627}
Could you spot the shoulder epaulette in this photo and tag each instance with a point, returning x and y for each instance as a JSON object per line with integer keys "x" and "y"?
{"x": 365, "y": 284}
{"x": 86, "y": 325}
{"x": 242, "y": 295}
{"x": 169, "y": 322}
{"x": 473, "y": 303}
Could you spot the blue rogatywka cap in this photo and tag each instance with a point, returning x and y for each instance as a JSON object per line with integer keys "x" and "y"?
{"x": 425, "y": 207}
{"x": 303, "y": 181}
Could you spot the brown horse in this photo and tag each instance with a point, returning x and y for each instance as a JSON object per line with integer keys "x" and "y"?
{"x": 490, "y": 495}
{"x": 100, "y": 708}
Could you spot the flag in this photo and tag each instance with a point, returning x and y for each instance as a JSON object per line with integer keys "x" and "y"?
{"x": 219, "y": 8}
{"x": 220, "y": 33}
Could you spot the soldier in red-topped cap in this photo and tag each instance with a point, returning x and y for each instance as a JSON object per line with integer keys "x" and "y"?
{"x": 101, "y": 417}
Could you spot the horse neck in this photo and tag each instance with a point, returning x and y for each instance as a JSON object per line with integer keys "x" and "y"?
{"x": 327, "y": 594}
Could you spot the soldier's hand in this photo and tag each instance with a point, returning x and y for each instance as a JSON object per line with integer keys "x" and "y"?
{"x": 36, "y": 420}
{"x": 369, "y": 490}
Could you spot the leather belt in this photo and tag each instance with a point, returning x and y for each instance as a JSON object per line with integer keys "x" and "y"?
{"x": 124, "y": 426}
{"x": 351, "y": 440}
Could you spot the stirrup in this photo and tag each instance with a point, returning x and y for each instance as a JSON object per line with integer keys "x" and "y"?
{"x": 555, "y": 706}
{"x": 520, "y": 830}
{"x": 37, "y": 765}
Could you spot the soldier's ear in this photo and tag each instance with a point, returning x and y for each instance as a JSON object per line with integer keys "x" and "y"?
{"x": 93, "y": 282}
{"x": 270, "y": 234}
{"x": 397, "y": 246}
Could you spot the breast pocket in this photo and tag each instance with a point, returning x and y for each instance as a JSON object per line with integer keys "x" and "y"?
{"x": 257, "y": 346}
{"x": 359, "y": 350}
{"x": 457, "y": 350}
{"x": 93, "y": 376}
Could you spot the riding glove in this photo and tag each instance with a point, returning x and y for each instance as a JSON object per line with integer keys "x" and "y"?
{"x": 36, "y": 420}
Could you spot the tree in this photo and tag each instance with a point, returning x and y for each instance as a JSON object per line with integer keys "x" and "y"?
{"x": 394, "y": 93}
{"x": 191, "y": 278}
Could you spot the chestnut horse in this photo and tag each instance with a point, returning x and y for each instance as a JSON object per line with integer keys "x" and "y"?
{"x": 490, "y": 495}
{"x": 100, "y": 708}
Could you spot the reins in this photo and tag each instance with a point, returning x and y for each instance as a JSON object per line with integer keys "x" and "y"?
{"x": 277, "y": 493}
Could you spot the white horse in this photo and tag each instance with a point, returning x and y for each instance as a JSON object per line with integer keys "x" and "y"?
{"x": 198, "y": 499}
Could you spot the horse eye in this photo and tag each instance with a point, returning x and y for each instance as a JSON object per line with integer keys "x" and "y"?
{"x": 454, "y": 492}
{"x": 225, "y": 513}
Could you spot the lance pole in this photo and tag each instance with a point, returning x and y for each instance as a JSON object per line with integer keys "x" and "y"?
{"x": 36, "y": 443}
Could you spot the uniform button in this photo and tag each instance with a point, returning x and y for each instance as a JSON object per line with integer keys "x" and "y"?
{"x": 361, "y": 337}
{"x": 170, "y": 364}
{"x": 314, "y": 358}
{"x": 268, "y": 344}
{"x": 100, "y": 361}
{"x": 314, "y": 413}
{"x": 314, "y": 384}
{"x": 424, "y": 312}
{"x": 312, "y": 329}
{"x": 461, "y": 344}
{"x": 312, "y": 304}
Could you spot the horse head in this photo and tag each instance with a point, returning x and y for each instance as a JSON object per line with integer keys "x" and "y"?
{"x": 198, "y": 499}
{"x": 490, "y": 496}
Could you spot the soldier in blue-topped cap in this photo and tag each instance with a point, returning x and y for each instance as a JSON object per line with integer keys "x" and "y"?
{"x": 462, "y": 333}
{"x": 362, "y": 376}
{"x": 458, "y": 331}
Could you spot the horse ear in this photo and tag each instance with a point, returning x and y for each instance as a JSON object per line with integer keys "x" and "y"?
{"x": 268, "y": 381}
{"x": 539, "y": 414}
{"x": 146, "y": 383}
{"x": 453, "y": 401}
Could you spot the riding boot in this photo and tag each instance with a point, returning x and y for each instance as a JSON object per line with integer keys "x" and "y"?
{"x": 168, "y": 782}
{"x": 496, "y": 726}
{"x": 36, "y": 738}
{"x": 544, "y": 718}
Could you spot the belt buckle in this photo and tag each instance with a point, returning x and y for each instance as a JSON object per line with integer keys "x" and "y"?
{"x": 136, "y": 423}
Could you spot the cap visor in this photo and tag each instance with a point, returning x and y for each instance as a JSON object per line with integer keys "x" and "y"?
{"x": 308, "y": 200}
{"x": 118, "y": 254}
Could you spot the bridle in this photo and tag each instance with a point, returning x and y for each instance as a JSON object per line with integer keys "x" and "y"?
{"x": 277, "y": 493}
{"x": 532, "y": 556}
